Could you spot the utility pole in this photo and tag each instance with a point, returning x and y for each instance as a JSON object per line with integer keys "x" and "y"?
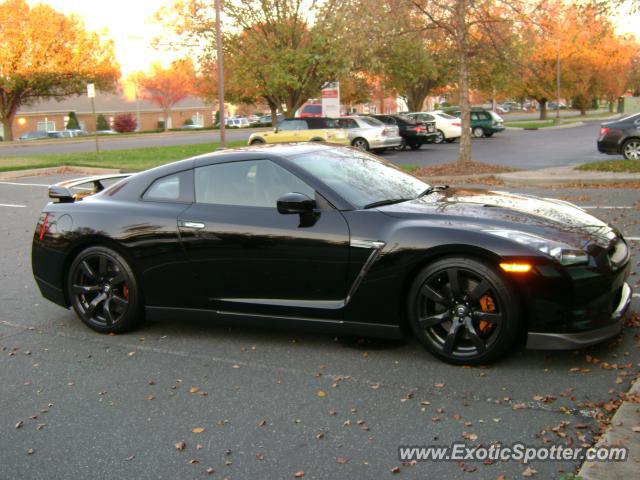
{"x": 220, "y": 77}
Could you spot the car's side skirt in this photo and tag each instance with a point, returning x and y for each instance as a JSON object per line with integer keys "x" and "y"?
{"x": 320, "y": 325}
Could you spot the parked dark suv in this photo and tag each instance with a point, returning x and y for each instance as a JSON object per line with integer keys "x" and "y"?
{"x": 414, "y": 134}
{"x": 621, "y": 137}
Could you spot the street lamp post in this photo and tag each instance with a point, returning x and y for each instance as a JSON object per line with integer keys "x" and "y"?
{"x": 557, "y": 120}
{"x": 220, "y": 76}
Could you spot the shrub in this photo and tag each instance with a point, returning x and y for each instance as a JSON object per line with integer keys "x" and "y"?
{"x": 160, "y": 124}
{"x": 188, "y": 121}
{"x": 102, "y": 123}
{"x": 124, "y": 123}
{"x": 72, "y": 123}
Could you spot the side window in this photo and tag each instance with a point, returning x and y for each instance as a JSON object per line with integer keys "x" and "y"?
{"x": 347, "y": 123}
{"x": 474, "y": 116}
{"x": 250, "y": 183}
{"x": 172, "y": 188}
{"x": 293, "y": 125}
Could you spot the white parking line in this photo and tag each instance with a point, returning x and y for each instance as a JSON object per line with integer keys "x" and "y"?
{"x": 635, "y": 239}
{"x": 25, "y": 184}
{"x": 11, "y": 205}
{"x": 636, "y": 295}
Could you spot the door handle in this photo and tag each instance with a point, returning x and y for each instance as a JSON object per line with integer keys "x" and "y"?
{"x": 196, "y": 225}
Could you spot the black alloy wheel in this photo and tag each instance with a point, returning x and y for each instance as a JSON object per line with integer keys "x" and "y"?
{"x": 103, "y": 291}
{"x": 440, "y": 138}
{"x": 463, "y": 311}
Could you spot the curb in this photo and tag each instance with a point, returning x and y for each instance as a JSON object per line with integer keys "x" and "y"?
{"x": 38, "y": 172}
{"x": 555, "y": 127}
{"x": 619, "y": 433}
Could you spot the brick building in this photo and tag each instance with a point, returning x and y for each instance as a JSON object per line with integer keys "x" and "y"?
{"x": 53, "y": 115}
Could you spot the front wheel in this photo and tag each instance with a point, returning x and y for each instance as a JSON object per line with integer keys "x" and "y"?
{"x": 488, "y": 135}
{"x": 103, "y": 290}
{"x": 450, "y": 140}
{"x": 477, "y": 132}
{"x": 257, "y": 141}
{"x": 415, "y": 145}
{"x": 402, "y": 146}
{"x": 463, "y": 311}
{"x": 631, "y": 149}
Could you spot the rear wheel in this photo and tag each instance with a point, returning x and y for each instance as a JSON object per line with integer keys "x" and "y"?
{"x": 403, "y": 145}
{"x": 631, "y": 149}
{"x": 103, "y": 290}
{"x": 463, "y": 311}
{"x": 415, "y": 145}
{"x": 360, "y": 144}
{"x": 450, "y": 140}
{"x": 488, "y": 135}
{"x": 257, "y": 141}
{"x": 440, "y": 138}
{"x": 477, "y": 132}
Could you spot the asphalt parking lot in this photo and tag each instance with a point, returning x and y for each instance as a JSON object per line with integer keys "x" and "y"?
{"x": 77, "y": 404}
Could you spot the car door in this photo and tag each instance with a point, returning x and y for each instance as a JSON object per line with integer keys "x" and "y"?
{"x": 247, "y": 257}
{"x": 288, "y": 130}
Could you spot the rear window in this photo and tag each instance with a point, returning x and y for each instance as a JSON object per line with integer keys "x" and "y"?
{"x": 312, "y": 109}
{"x": 318, "y": 123}
{"x": 374, "y": 122}
{"x": 405, "y": 119}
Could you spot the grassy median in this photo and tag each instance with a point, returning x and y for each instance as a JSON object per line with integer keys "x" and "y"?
{"x": 130, "y": 160}
{"x": 632, "y": 166}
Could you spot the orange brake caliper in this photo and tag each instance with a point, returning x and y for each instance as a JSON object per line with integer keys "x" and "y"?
{"x": 487, "y": 305}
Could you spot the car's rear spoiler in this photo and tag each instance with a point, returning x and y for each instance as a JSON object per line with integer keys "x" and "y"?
{"x": 72, "y": 190}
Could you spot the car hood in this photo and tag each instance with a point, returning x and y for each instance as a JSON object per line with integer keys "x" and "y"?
{"x": 485, "y": 209}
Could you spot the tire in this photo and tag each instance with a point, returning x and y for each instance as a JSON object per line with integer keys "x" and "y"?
{"x": 402, "y": 146}
{"x": 104, "y": 291}
{"x": 378, "y": 150}
{"x": 466, "y": 331}
{"x": 361, "y": 144}
{"x": 415, "y": 145}
{"x": 477, "y": 132}
{"x": 257, "y": 141}
{"x": 631, "y": 149}
{"x": 440, "y": 138}
{"x": 488, "y": 135}
{"x": 450, "y": 140}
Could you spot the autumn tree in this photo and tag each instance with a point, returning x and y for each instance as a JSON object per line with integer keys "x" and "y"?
{"x": 279, "y": 51}
{"x": 167, "y": 86}
{"x": 45, "y": 54}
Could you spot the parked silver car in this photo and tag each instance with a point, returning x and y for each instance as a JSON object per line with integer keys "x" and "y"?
{"x": 368, "y": 133}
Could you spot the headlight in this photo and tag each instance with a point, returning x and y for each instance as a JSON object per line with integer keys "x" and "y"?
{"x": 561, "y": 252}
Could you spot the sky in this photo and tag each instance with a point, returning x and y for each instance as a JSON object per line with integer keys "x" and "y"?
{"x": 131, "y": 25}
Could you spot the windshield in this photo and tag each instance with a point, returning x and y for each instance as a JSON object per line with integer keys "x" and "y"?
{"x": 360, "y": 178}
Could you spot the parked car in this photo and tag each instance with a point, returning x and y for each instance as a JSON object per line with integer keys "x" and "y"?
{"x": 265, "y": 120}
{"x": 554, "y": 106}
{"x": 310, "y": 110}
{"x": 309, "y": 129}
{"x": 37, "y": 135}
{"x": 368, "y": 133}
{"x": 61, "y": 134}
{"x": 448, "y": 127}
{"x": 334, "y": 240}
{"x": 192, "y": 126}
{"x": 106, "y": 132}
{"x": 621, "y": 137}
{"x": 414, "y": 134}
{"x": 239, "y": 122}
{"x": 484, "y": 123}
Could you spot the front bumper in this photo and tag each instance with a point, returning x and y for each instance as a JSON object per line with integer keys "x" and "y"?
{"x": 567, "y": 341}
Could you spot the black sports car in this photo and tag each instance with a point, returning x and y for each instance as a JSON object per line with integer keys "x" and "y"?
{"x": 621, "y": 137}
{"x": 336, "y": 240}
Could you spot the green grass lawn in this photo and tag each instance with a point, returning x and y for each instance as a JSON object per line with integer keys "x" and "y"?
{"x": 632, "y": 166}
{"x": 539, "y": 123}
{"x": 130, "y": 160}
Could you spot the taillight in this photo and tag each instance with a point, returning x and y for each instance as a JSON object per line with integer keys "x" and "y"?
{"x": 604, "y": 130}
{"x": 43, "y": 226}
{"x": 419, "y": 129}
{"x": 456, "y": 124}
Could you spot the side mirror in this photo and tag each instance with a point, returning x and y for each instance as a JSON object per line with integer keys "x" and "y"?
{"x": 295, "y": 203}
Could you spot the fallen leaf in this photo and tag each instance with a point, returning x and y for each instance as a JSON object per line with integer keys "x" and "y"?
{"x": 209, "y": 470}
{"x": 322, "y": 393}
{"x": 320, "y": 435}
{"x": 128, "y": 459}
{"x": 199, "y": 446}
{"x": 150, "y": 397}
{"x": 262, "y": 423}
{"x": 395, "y": 470}
{"x": 19, "y": 424}
{"x": 193, "y": 460}
{"x": 30, "y": 451}
{"x": 131, "y": 354}
{"x": 198, "y": 430}
{"x": 181, "y": 445}
{"x": 636, "y": 429}
{"x": 439, "y": 385}
{"x": 342, "y": 460}
{"x": 194, "y": 390}
{"x": 299, "y": 474}
{"x": 529, "y": 472}
{"x": 519, "y": 406}
{"x": 260, "y": 456}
